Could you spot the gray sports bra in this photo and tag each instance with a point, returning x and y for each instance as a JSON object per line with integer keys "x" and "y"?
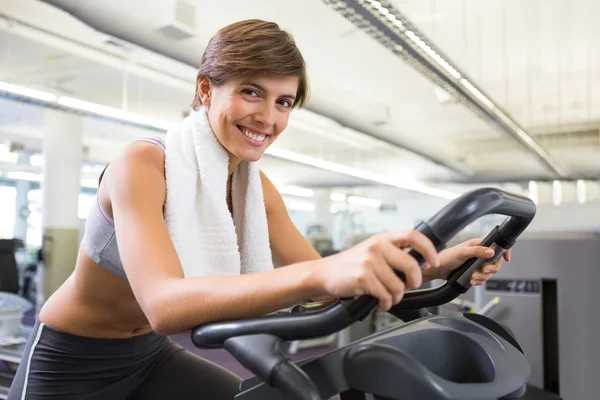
{"x": 99, "y": 239}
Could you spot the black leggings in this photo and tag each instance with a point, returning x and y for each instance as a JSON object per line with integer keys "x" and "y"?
{"x": 58, "y": 365}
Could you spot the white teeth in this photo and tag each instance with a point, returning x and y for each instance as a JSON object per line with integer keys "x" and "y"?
{"x": 253, "y": 136}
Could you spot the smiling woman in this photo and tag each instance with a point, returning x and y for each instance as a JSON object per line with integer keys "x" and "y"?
{"x": 246, "y": 115}
{"x": 252, "y": 48}
{"x": 249, "y": 86}
{"x": 132, "y": 286}
{"x": 185, "y": 231}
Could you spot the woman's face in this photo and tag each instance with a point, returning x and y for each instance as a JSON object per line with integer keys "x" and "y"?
{"x": 247, "y": 115}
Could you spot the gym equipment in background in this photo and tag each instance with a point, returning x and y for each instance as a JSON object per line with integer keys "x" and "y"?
{"x": 12, "y": 339}
{"x": 320, "y": 240}
{"x": 529, "y": 310}
{"x": 461, "y": 356}
{"x": 9, "y": 271}
{"x": 549, "y": 301}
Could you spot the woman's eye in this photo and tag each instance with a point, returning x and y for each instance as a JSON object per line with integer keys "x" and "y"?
{"x": 250, "y": 92}
{"x": 285, "y": 103}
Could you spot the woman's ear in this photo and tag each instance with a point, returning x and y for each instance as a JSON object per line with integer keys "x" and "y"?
{"x": 204, "y": 87}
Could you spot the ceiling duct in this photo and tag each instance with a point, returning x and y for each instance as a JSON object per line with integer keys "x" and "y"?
{"x": 180, "y": 22}
{"x": 120, "y": 27}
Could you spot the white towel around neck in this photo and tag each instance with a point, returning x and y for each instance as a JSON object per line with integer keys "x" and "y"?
{"x": 208, "y": 241}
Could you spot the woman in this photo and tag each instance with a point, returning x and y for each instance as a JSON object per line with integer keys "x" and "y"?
{"x": 103, "y": 333}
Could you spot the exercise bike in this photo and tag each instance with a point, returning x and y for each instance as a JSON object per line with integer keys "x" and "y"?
{"x": 459, "y": 356}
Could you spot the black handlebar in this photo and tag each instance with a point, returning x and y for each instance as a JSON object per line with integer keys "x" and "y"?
{"x": 473, "y": 205}
{"x": 440, "y": 229}
{"x": 443, "y": 226}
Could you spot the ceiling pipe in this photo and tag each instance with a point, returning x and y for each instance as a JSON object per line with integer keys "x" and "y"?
{"x": 382, "y": 21}
{"x": 112, "y": 26}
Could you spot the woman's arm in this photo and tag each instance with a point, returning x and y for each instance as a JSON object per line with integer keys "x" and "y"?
{"x": 287, "y": 243}
{"x": 170, "y": 302}
{"x": 288, "y": 246}
{"x": 174, "y": 304}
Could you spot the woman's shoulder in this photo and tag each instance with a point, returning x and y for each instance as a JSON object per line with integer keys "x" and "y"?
{"x": 136, "y": 171}
{"x": 138, "y": 162}
{"x": 146, "y": 151}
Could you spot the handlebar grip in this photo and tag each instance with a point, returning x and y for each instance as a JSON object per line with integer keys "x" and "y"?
{"x": 460, "y": 212}
{"x": 439, "y": 229}
{"x": 437, "y": 243}
{"x": 462, "y": 274}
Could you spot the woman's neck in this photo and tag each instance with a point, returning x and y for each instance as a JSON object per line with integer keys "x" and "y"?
{"x": 232, "y": 165}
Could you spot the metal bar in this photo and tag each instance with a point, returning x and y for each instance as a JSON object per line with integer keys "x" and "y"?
{"x": 401, "y": 42}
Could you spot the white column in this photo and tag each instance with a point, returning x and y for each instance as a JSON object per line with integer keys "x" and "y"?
{"x": 21, "y": 204}
{"x": 322, "y": 209}
{"x": 322, "y": 242}
{"x": 62, "y": 151}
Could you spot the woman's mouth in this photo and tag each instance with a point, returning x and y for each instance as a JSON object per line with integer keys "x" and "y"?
{"x": 254, "y": 138}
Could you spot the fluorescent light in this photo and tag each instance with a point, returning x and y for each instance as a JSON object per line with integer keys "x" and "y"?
{"x": 35, "y": 177}
{"x": 364, "y": 201}
{"x": 431, "y": 53}
{"x": 24, "y": 176}
{"x": 357, "y": 200}
{"x": 102, "y": 110}
{"x": 533, "y": 192}
{"x": 85, "y": 106}
{"x": 299, "y": 205}
{"x": 112, "y": 112}
{"x": 480, "y": 96}
{"x": 357, "y": 173}
{"x": 581, "y": 191}
{"x": 510, "y": 123}
{"x": 556, "y": 193}
{"x": 337, "y": 196}
{"x": 31, "y": 93}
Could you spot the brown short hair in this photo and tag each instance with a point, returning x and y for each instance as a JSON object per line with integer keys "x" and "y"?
{"x": 249, "y": 48}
